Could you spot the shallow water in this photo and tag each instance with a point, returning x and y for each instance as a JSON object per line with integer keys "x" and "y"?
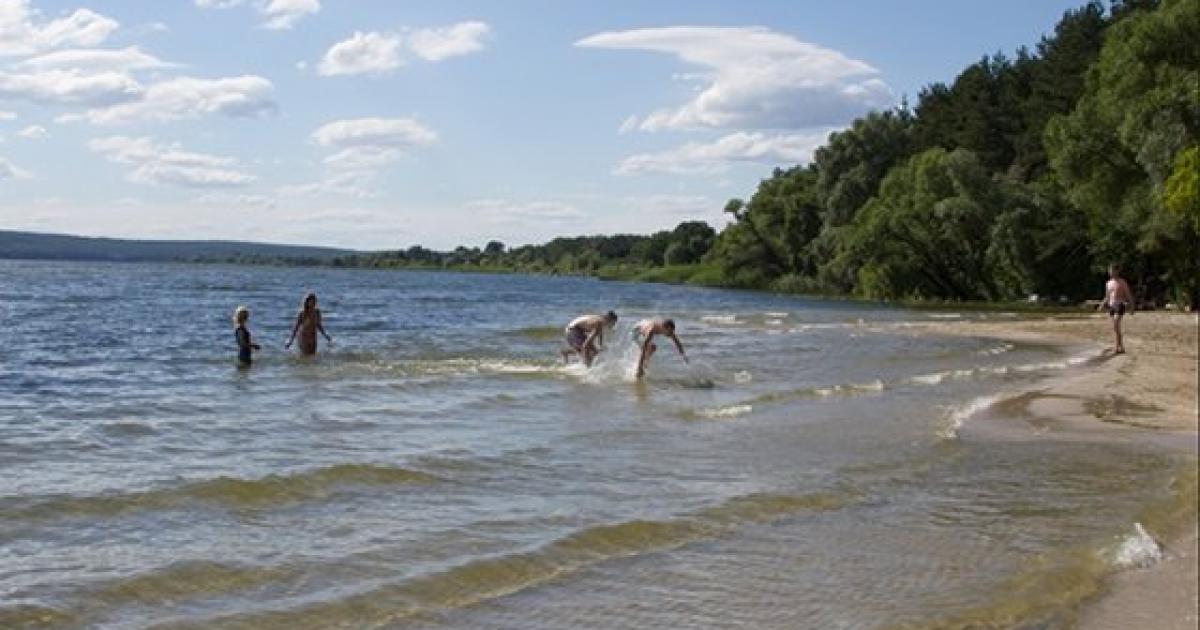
{"x": 437, "y": 467}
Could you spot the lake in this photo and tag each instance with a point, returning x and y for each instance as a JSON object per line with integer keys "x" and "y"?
{"x": 813, "y": 466}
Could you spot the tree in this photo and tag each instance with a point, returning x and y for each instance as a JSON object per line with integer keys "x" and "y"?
{"x": 1115, "y": 151}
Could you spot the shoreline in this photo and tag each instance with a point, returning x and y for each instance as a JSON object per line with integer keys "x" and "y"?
{"x": 1147, "y": 396}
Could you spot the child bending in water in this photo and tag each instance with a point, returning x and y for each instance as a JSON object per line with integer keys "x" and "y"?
{"x": 245, "y": 346}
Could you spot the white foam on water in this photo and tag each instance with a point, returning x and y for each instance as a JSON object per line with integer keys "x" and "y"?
{"x": 1138, "y": 550}
{"x": 930, "y": 379}
{"x": 776, "y": 314}
{"x": 742, "y": 377}
{"x": 730, "y": 411}
{"x": 957, "y": 416}
{"x": 1001, "y": 349}
{"x": 774, "y": 322}
{"x": 719, "y": 319}
{"x": 945, "y": 315}
{"x": 874, "y": 386}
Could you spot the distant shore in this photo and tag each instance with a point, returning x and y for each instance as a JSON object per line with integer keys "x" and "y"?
{"x": 1148, "y": 394}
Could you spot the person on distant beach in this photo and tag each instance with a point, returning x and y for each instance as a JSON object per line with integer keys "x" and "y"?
{"x": 1117, "y": 299}
{"x": 585, "y": 336}
{"x": 644, "y": 332}
{"x": 245, "y": 346}
{"x": 308, "y": 324}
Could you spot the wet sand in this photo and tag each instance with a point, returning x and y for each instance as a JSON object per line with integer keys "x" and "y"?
{"x": 1149, "y": 394}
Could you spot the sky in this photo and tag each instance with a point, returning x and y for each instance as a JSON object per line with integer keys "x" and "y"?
{"x": 377, "y": 124}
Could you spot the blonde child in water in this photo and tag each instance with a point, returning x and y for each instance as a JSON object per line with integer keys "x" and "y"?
{"x": 308, "y": 324}
{"x": 246, "y": 347}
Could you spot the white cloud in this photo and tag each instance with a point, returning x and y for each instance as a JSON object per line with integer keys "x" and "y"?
{"x": 362, "y": 158}
{"x": 283, "y": 14}
{"x": 7, "y": 115}
{"x": 235, "y": 200}
{"x": 374, "y": 132}
{"x": 375, "y": 52}
{"x": 69, "y": 87}
{"x": 504, "y": 211}
{"x": 93, "y": 60}
{"x": 22, "y": 33}
{"x": 34, "y": 132}
{"x": 345, "y": 183}
{"x": 190, "y": 97}
{"x": 8, "y": 170}
{"x": 436, "y": 44}
{"x": 756, "y": 78}
{"x": 278, "y": 14}
{"x": 158, "y": 163}
{"x": 363, "y": 53}
{"x": 719, "y": 155}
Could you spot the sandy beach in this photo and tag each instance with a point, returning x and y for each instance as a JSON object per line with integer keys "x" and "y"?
{"x": 1150, "y": 394}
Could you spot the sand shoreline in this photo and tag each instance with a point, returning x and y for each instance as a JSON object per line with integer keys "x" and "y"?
{"x": 1147, "y": 395}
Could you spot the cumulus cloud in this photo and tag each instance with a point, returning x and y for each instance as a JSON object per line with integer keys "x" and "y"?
{"x": 374, "y": 132}
{"x": 375, "y": 52}
{"x": 34, "y": 132}
{"x": 69, "y": 87}
{"x": 8, "y": 170}
{"x": 190, "y": 97}
{"x": 436, "y": 44}
{"x": 23, "y": 33}
{"x": 362, "y": 147}
{"x": 155, "y": 162}
{"x": 277, "y": 14}
{"x": 755, "y": 78}
{"x": 240, "y": 200}
{"x": 717, "y": 156}
{"x": 5, "y": 115}
{"x": 93, "y": 60}
{"x": 505, "y": 211}
{"x": 283, "y": 14}
{"x": 363, "y": 53}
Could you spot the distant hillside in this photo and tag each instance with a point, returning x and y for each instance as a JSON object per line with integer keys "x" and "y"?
{"x": 62, "y": 247}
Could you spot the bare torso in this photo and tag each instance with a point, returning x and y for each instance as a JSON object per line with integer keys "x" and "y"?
{"x": 1116, "y": 291}
{"x": 307, "y": 323}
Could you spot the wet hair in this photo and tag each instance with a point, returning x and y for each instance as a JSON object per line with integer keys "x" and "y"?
{"x": 611, "y": 316}
{"x": 240, "y": 314}
{"x": 669, "y": 324}
{"x": 307, "y": 297}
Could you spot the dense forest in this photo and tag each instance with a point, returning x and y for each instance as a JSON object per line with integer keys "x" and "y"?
{"x": 1027, "y": 175}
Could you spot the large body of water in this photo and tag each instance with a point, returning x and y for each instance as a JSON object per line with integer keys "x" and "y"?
{"x": 436, "y": 468}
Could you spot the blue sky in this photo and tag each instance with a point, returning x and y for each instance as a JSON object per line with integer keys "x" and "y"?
{"x": 376, "y": 124}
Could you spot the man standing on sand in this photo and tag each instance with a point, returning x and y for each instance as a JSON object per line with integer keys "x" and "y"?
{"x": 585, "y": 335}
{"x": 644, "y": 332}
{"x": 1117, "y": 299}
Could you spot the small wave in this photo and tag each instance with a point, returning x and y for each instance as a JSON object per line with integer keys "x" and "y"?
{"x": 720, "y": 319}
{"x": 957, "y": 416}
{"x": 931, "y": 379}
{"x": 996, "y": 350}
{"x": 776, "y": 314}
{"x": 945, "y": 315}
{"x": 742, "y": 377}
{"x": 228, "y": 492}
{"x": 503, "y": 575}
{"x": 1138, "y": 550}
{"x": 717, "y": 413}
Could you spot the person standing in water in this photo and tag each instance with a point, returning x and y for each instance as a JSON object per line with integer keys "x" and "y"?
{"x": 246, "y": 347}
{"x": 644, "y": 332}
{"x": 1117, "y": 299}
{"x": 308, "y": 324}
{"x": 585, "y": 336}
